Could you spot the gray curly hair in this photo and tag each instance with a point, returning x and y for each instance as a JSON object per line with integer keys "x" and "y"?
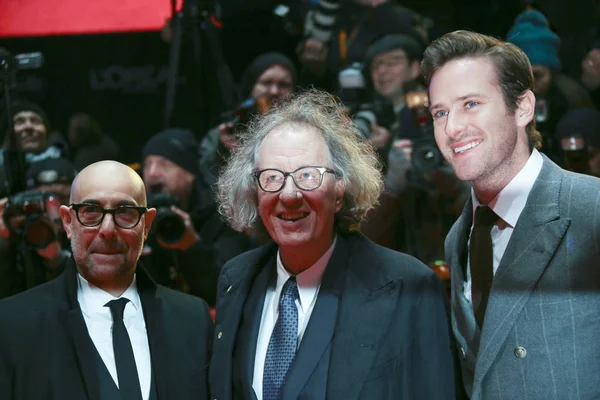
{"x": 353, "y": 160}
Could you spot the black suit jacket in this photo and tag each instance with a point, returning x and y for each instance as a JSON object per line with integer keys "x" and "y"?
{"x": 380, "y": 322}
{"x": 46, "y": 352}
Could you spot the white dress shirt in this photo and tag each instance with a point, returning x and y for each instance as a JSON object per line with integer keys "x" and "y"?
{"x": 309, "y": 283}
{"x": 98, "y": 320}
{"x": 508, "y": 206}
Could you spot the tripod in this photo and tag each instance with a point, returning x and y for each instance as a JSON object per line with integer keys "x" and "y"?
{"x": 197, "y": 16}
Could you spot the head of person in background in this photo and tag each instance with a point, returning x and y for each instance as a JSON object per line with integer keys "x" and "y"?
{"x": 531, "y": 33}
{"x": 270, "y": 75}
{"x": 31, "y": 126}
{"x": 83, "y": 130}
{"x": 301, "y": 175}
{"x": 579, "y": 133}
{"x": 393, "y": 61}
{"x": 170, "y": 165}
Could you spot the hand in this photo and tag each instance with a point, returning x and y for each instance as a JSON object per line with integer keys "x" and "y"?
{"x": 51, "y": 254}
{"x": 227, "y": 138}
{"x": 379, "y": 136}
{"x": 399, "y": 162}
{"x": 190, "y": 236}
{"x": 313, "y": 54}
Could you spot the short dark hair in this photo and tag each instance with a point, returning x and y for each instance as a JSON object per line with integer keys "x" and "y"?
{"x": 513, "y": 69}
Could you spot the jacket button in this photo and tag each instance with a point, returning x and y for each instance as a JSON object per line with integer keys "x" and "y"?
{"x": 229, "y": 288}
{"x": 220, "y": 335}
{"x": 462, "y": 352}
{"x": 520, "y": 352}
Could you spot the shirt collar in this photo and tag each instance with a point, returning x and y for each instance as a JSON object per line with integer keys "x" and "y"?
{"x": 308, "y": 280}
{"x": 92, "y": 299}
{"x": 510, "y": 202}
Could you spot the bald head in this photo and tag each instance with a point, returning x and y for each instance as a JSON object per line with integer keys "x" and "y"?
{"x": 111, "y": 175}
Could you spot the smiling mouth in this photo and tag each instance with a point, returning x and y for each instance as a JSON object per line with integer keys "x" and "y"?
{"x": 466, "y": 147}
{"x": 292, "y": 217}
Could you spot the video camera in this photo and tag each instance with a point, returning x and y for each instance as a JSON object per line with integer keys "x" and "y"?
{"x": 365, "y": 111}
{"x": 167, "y": 226}
{"x": 426, "y": 157}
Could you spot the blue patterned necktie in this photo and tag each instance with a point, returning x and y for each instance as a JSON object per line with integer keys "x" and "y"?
{"x": 283, "y": 343}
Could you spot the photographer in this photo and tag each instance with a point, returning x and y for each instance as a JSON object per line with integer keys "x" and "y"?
{"x": 268, "y": 79}
{"x": 33, "y": 244}
{"x": 579, "y": 134}
{"x": 423, "y": 196}
{"x": 31, "y": 128}
{"x": 188, "y": 243}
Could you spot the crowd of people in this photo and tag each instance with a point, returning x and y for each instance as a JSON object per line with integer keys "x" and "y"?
{"x": 393, "y": 215}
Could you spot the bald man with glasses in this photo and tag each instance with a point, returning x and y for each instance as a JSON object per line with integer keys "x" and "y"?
{"x": 103, "y": 330}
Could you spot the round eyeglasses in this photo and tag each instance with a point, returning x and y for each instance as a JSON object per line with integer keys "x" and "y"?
{"x": 126, "y": 217}
{"x": 305, "y": 178}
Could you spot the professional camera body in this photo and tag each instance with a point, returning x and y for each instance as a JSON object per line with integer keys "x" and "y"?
{"x": 426, "y": 156}
{"x": 167, "y": 225}
{"x": 364, "y": 109}
{"x": 245, "y": 111}
{"x": 29, "y": 217}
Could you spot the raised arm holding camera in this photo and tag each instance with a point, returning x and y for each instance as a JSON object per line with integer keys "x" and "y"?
{"x": 188, "y": 243}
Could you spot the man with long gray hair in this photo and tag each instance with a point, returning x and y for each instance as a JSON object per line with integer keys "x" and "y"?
{"x": 322, "y": 312}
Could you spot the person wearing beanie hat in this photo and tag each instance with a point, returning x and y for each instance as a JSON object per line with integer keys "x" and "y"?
{"x": 555, "y": 93}
{"x": 30, "y": 125}
{"x": 531, "y": 33}
{"x": 269, "y": 78}
{"x": 270, "y": 74}
{"x": 188, "y": 260}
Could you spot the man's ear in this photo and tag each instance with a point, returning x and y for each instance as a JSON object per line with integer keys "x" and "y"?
{"x": 66, "y": 218}
{"x": 340, "y": 189}
{"x": 525, "y": 109}
{"x": 148, "y": 218}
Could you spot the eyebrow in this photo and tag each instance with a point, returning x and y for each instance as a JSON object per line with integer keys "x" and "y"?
{"x": 120, "y": 203}
{"x": 461, "y": 98}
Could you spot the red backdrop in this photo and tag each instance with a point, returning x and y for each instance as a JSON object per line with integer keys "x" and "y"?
{"x": 68, "y": 17}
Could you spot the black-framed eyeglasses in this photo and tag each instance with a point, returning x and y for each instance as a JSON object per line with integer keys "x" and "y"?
{"x": 305, "y": 178}
{"x": 90, "y": 215}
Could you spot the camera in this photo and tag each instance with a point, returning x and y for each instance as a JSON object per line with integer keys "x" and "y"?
{"x": 575, "y": 152}
{"x": 29, "y": 215}
{"x": 426, "y": 156}
{"x": 246, "y": 110}
{"x": 364, "y": 111}
{"x": 167, "y": 226}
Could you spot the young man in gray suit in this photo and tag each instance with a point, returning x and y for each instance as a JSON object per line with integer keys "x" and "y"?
{"x": 525, "y": 276}
{"x": 321, "y": 313}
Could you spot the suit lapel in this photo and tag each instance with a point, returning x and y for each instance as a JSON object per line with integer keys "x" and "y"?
{"x": 79, "y": 335}
{"x": 237, "y": 282}
{"x": 534, "y": 241}
{"x": 368, "y": 298}
{"x": 320, "y": 328}
{"x": 463, "y": 319}
{"x": 153, "y": 316}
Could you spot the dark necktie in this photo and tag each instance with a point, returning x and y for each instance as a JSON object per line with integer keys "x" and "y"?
{"x": 129, "y": 383}
{"x": 482, "y": 260}
{"x": 283, "y": 343}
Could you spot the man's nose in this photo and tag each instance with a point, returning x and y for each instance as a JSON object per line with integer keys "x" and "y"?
{"x": 455, "y": 125}
{"x": 108, "y": 228}
{"x": 290, "y": 193}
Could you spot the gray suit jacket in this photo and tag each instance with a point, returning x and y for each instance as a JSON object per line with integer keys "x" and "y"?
{"x": 541, "y": 334}
{"x": 379, "y": 324}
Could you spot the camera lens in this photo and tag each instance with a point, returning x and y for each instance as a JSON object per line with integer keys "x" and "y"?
{"x": 169, "y": 226}
{"x": 39, "y": 234}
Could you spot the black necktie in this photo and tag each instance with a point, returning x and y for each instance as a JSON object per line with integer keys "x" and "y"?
{"x": 482, "y": 260}
{"x": 129, "y": 383}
